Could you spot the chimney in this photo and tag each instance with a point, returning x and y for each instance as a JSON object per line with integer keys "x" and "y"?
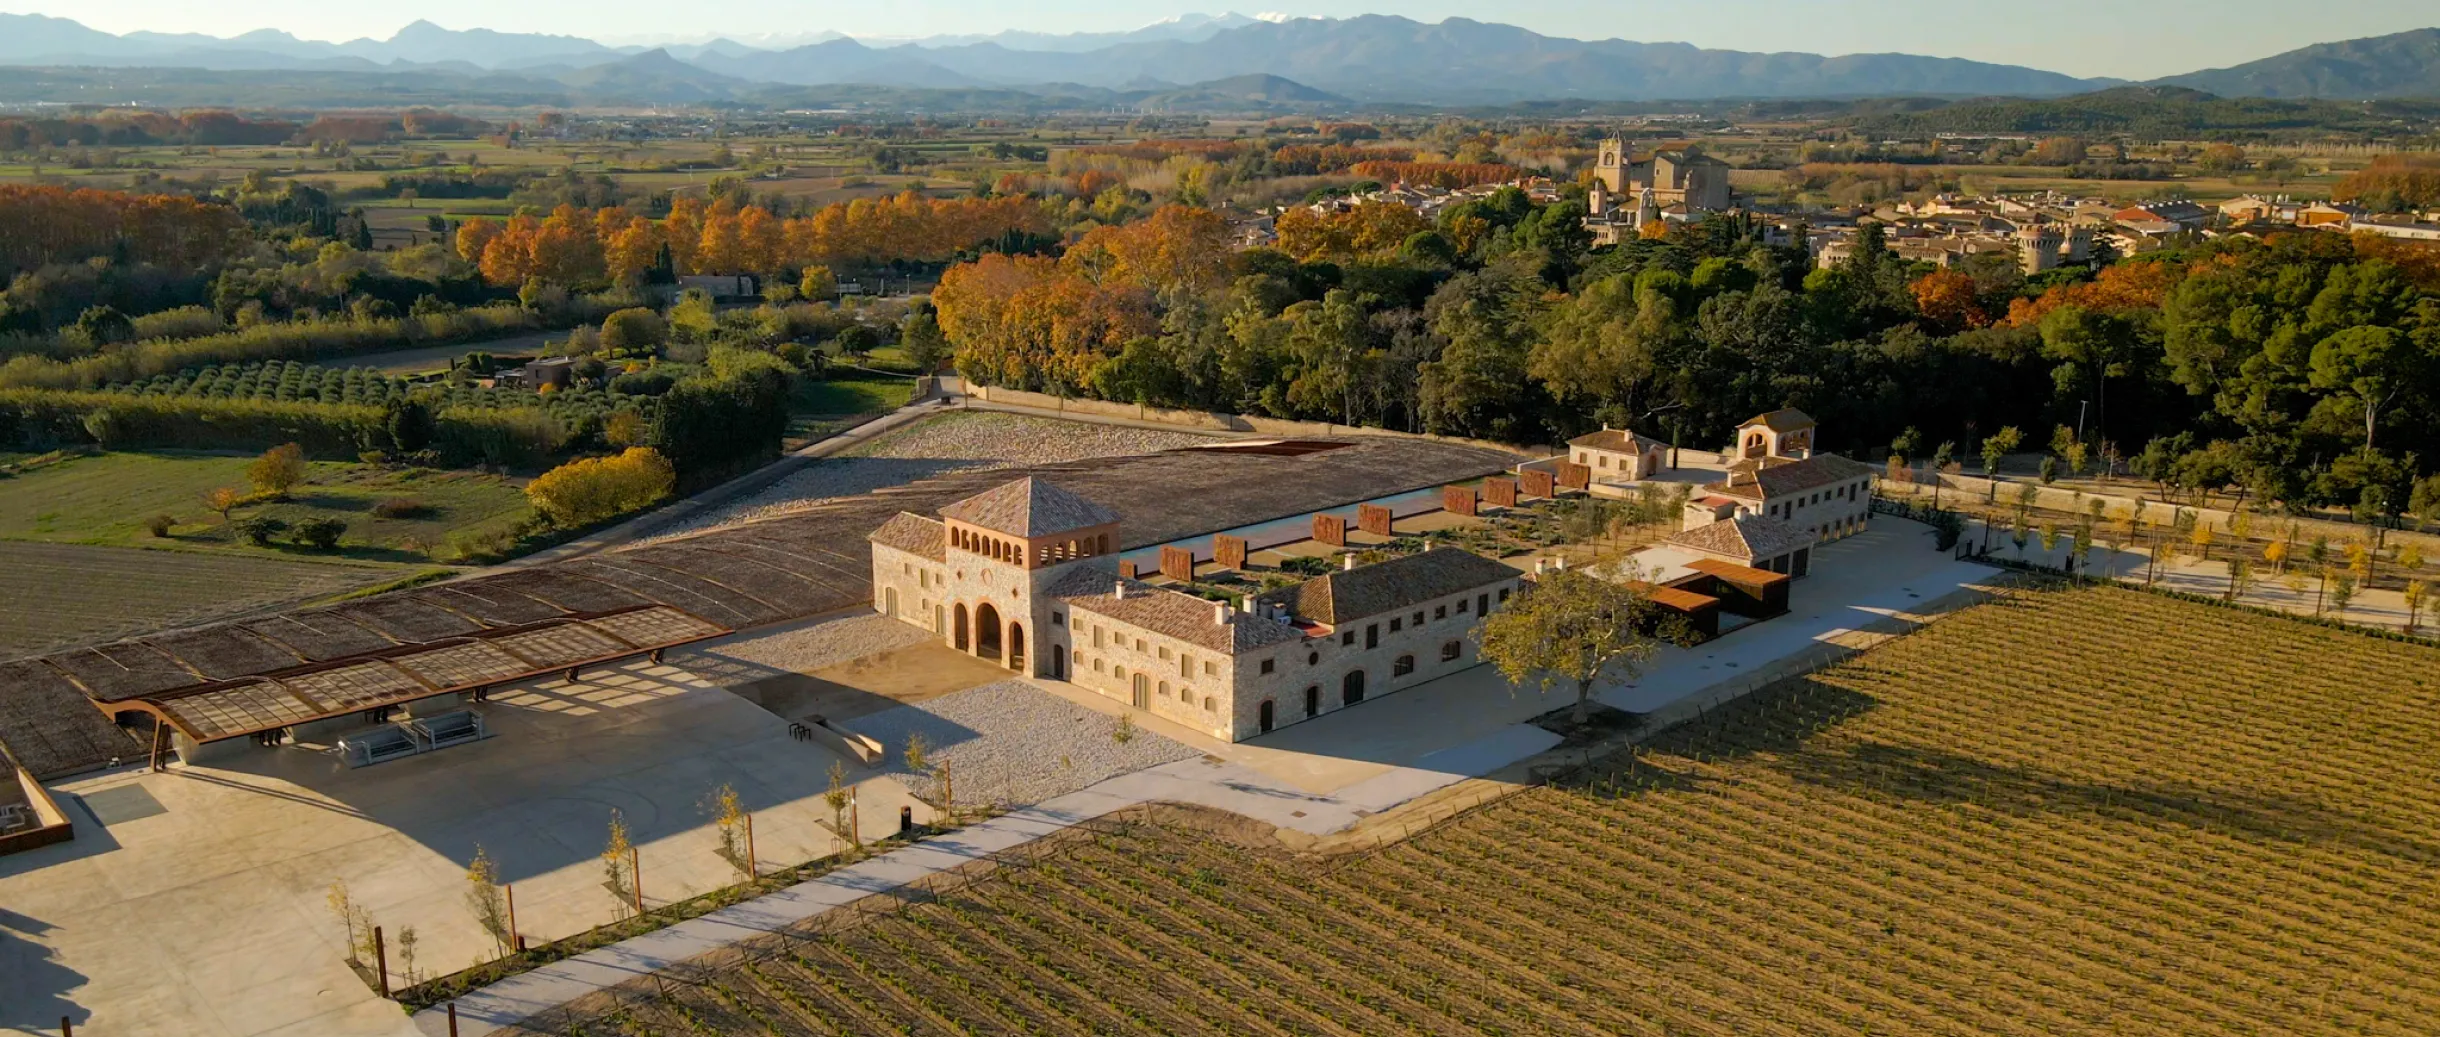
{"x": 1540, "y": 565}
{"x": 1347, "y": 562}
{"x": 1220, "y": 613}
{"x": 1247, "y": 604}
{"x": 1119, "y": 589}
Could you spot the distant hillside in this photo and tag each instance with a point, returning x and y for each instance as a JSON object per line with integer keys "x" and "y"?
{"x": 653, "y": 77}
{"x": 1460, "y": 61}
{"x": 2148, "y": 111}
{"x": 2405, "y": 64}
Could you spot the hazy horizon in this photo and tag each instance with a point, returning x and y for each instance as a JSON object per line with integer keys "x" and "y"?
{"x": 2077, "y": 37}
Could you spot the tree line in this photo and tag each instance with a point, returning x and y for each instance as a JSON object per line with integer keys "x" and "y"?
{"x": 2305, "y": 366}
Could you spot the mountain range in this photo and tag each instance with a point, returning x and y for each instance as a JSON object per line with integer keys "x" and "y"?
{"x": 1195, "y": 61}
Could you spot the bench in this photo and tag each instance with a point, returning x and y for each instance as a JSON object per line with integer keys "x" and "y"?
{"x": 449, "y": 729}
{"x": 377, "y": 745}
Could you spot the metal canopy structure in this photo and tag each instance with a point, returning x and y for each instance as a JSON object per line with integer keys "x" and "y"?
{"x": 270, "y": 701}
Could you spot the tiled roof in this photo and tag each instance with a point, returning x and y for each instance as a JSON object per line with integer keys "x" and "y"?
{"x": 1400, "y": 583}
{"x": 914, "y": 534}
{"x": 1744, "y": 536}
{"x": 1182, "y": 616}
{"x": 1735, "y": 573}
{"x": 1029, "y": 507}
{"x": 1778, "y": 476}
{"x": 1785, "y": 419}
{"x": 1616, "y": 440}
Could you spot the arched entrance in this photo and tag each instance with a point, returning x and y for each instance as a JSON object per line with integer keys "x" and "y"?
{"x": 1313, "y": 700}
{"x": 1059, "y": 669}
{"x": 987, "y": 631}
{"x": 889, "y": 602}
{"x": 1351, "y": 688}
{"x": 1269, "y": 713}
{"x": 959, "y": 641}
{"x": 1016, "y": 647}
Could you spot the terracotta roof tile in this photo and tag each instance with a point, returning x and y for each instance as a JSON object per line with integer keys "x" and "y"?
{"x": 914, "y": 534}
{"x": 1029, "y": 507}
{"x": 1400, "y": 583}
{"x": 1785, "y": 419}
{"x": 1778, "y": 476}
{"x": 1744, "y": 536}
{"x": 1616, "y": 440}
{"x": 1182, "y": 616}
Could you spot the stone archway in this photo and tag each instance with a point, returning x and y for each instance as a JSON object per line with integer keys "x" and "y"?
{"x": 1016, "y": 647}
{"x": 1351, "y": 688}
{"x": 987, "y": 631}
{"x": 958, "y": 641}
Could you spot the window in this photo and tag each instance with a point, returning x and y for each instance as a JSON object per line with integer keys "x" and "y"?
{"x": 1450, "y": 650}
{"x": 1482, "y": 604}
{"x": 1348, "y": 639}
{"x": 1461, "y": 606}
{"x": 1405, "y": 665}
{"x": 1097, "y": 637}
{"x": 1096, "y": 665}
{"x": 1058, "y": 619}
{"x": 1269, "y": 665}
{"x": 1210, "y": 668}
{"x": 1396, "y": 624}
{"x": 1139, "y": 644}
{"x": 1164, "y": 653}
{"x": 1119, "y": 672}
{"x": 1442, "y": 612}
{"x": 1372, "y": 635}
{"x": 1503, "y": 595}
{"x": 1211, "y": 703}
{"x": 1313, "y": 658}
{"x": 1186, "y": 665}
{"x": 1165, "y": 690}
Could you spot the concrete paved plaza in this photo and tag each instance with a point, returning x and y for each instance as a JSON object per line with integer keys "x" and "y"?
{"x": 207, "y": 918}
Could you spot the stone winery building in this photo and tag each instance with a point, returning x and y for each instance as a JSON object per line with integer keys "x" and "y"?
{"x": 1027, "y": 575}
{"x": 1780, "y": 499}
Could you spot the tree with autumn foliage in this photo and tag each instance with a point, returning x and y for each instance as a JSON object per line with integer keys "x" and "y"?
{"x": 1949, "y": 300}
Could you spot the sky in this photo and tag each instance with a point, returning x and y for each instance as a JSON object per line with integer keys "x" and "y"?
{"x": 2132, "y": 39}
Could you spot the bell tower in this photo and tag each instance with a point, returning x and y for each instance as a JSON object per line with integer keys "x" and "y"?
{"x": 1611, "y": 167}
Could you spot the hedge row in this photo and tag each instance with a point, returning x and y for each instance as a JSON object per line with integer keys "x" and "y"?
{"x": 293, "y": 341}
{"x": 36, "y": 418}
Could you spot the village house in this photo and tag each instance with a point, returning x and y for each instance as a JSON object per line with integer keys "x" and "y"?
{"x": 1617, "y": 455}
{"x": 1026, "y": 575}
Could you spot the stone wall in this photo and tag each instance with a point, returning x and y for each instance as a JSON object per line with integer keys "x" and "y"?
{"x": 1213, "y": 421}
{"x": 1104, "y": 656}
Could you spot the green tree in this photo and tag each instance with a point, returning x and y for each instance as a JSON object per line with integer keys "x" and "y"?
{"x": 1575, "y": 627}
{"x": 2373, "y": 364}
{"x": 919, "y": 334}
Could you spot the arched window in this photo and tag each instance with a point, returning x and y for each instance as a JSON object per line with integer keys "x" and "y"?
{"x": 1405, "y": 665}
{"x": 1450, "y": 650}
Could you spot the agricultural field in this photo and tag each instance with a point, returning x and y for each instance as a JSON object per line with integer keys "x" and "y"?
{"x": 2087, "y": 811}
{"x": 56, "y": 595}
{"x": 105, "y": 500}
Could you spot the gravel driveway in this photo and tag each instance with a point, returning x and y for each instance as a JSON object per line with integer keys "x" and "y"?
{"x": 952, "y": 442}
{"x": 1011, "y": 744}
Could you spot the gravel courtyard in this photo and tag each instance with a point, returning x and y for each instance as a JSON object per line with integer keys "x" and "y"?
{"x": 1010, "y": 744}
{"x": 952, "y": 442}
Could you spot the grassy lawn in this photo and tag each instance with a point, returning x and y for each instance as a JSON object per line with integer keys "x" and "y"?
{"x": 857, "y": 394}
{"x": 106, "y": 499}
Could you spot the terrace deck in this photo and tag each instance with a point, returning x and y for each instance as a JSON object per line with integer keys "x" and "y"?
{"x": 55, "y": 709}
